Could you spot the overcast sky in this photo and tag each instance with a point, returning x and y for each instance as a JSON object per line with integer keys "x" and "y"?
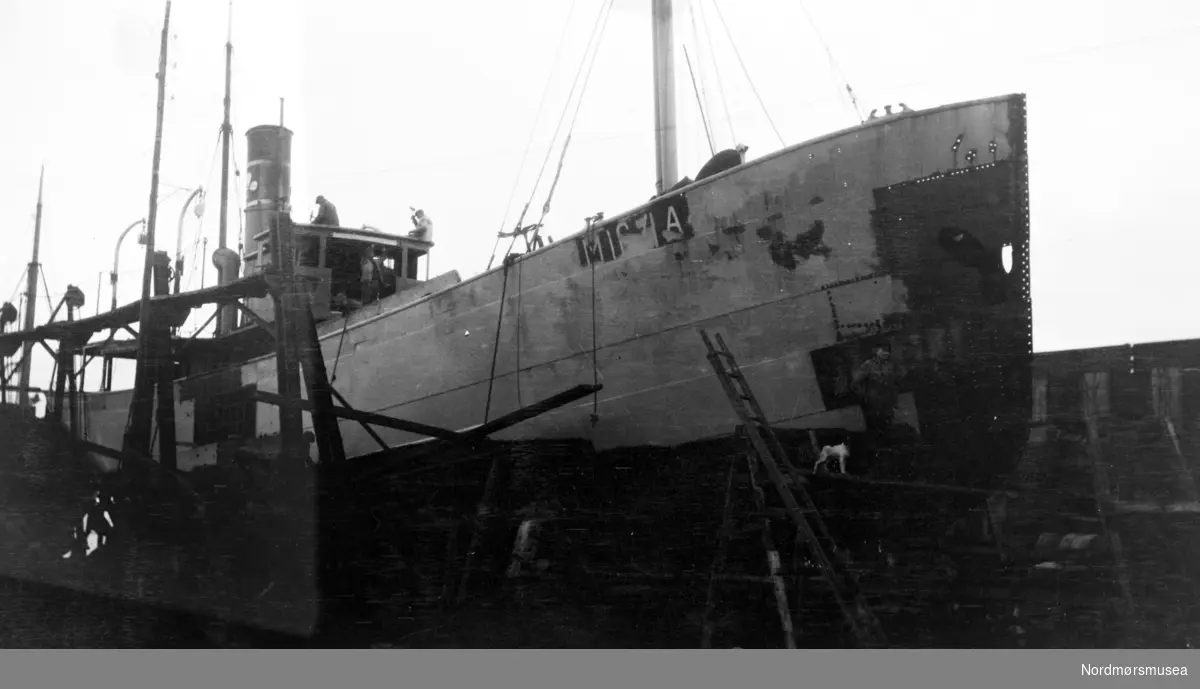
{"x": 431, "y": 104}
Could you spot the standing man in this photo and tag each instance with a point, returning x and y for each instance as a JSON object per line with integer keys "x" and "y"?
{"x": 370, "y": 276}
{"x": 326, "y": 213}
{"x": 422, "y": 226}
{"x": 875, "y": 382}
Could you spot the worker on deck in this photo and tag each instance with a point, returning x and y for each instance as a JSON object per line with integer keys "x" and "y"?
{"x": 326, "y": 213}
{"x": 422, "y": 226}
{"x": 371, "y": 276}
{"x": 8, "y": 314}
{"x": 387, "y": 276}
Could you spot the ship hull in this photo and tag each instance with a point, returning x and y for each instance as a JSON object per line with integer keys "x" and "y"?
{"x": 802, "y": 260}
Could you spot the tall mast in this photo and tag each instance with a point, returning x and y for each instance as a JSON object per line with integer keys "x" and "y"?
{"x": 31, "y": 298}
{"x": 664, "y": 95}
{"x": 138, "y": 435}
{"x": 225, "y": 315}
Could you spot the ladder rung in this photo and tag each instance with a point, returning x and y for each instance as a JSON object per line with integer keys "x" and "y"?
{"x": 780, "y": 512}
{"x": 747, "y": 578}
{"x": 815, "y": 539}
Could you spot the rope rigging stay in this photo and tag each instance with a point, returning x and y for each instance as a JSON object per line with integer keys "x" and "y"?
{"x": 531, "y": 242}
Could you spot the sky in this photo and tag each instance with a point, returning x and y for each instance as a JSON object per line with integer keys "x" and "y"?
{"x": 436, "y": 105}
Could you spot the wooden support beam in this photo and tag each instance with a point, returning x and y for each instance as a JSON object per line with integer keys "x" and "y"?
{"x": 371, "y": 418}
{"x": 8, "y": 374}
{"x": 72, "y": 391}
{"x": 1104, "y": 499}
{"x": 129, "y": 330}
{"x": 320, "y": 392}
{"x": 257, "y": 319}
{"x": 535, "y": 409}
{"x": 62, "y": 366}
{"x": 910, "y": 485}
{"x": 287, "y": 303}
{"x": 193, "y": 336}
{"x": 165, "y": 383}
{"x": 476, "y": 435}
{"x": 1119, "y": 507}
{"x": 105, "y": 451}
{"x": 50, "y": 351}
{"x": 1186, "y": 481}
{"x": 112, "y": 334}
{"x": 366, "y": 426}
{"x": 483, "y": 514}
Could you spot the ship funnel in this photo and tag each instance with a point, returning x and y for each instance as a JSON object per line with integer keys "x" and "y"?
{"x": 269, "y": 189}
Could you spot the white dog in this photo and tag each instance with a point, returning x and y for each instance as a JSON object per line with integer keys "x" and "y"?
{"x": 840, "y": 451}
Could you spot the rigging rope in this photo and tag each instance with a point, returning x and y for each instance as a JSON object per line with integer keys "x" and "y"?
{"x": 196, "y": 257}
{"x": 338, "y": 357}
{"x": 701, "y": 90}
{"x": 520, "y": 269}
{"x": 747, "y": 73}
{"x": 832, "y": 61}
{"x": 712, "y": 151}
{"x": 507, "y": 263}
{"x": 595, "y": 364}
{"x": 571, "y": 129}
{"x": 19, "y": 283}
{"x": 570, "y": 95}
{"x": 562, "y": 41}
{"x": 49, "y": 302}
{"x": 237, "y": 178}
{"x": 717, "y": 71}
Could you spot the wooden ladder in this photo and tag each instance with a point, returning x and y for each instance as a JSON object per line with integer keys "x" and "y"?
{"x": 767, "y": 453}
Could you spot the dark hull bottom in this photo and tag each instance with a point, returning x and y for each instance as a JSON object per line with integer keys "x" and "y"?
{"x": 622, "y": 560}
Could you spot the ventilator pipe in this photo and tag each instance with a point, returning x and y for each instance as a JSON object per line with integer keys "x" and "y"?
{"x": 117, "y": 258}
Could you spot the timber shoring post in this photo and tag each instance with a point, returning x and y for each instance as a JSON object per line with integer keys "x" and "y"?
{"x": 448, "y": 587}
{"x": 708, "y": 625}
{"x": 165, "y": 389}
{"x": 320, "y": 393}
{"x": 1184, "y": 477}
{"x": 1103, "y": 493}
{"x": 72, "y": 392}
{"x": 483, "y": 515}
{"x": 60, "y": 384}
{"x": 163, "y": 367}
{"x": 365, "y": 426}
{"x": 291, "y": 420}
{"x": 141, "y": 407}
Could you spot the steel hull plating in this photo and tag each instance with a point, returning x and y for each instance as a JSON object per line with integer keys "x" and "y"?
{"x": 798, "y": 259}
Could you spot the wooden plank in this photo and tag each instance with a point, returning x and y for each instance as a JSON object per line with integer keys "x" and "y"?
{"x": 535, "y": 409}
{"x": 483, "y": 513}
{"x": 258, "y": 320}
{"x": 1120, "y": 507}
{"x": 371, "y": 418}
{"x": 366, "y": 426}
{"x": 320, "y": 392}
{"x": 105, "y": 451}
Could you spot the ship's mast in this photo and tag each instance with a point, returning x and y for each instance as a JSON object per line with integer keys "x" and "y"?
{"x": 138, "y": 435}
{"x": 664, "y": 95}
{"x": 225, "y": 315}
{"x": 31, "y": 298}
